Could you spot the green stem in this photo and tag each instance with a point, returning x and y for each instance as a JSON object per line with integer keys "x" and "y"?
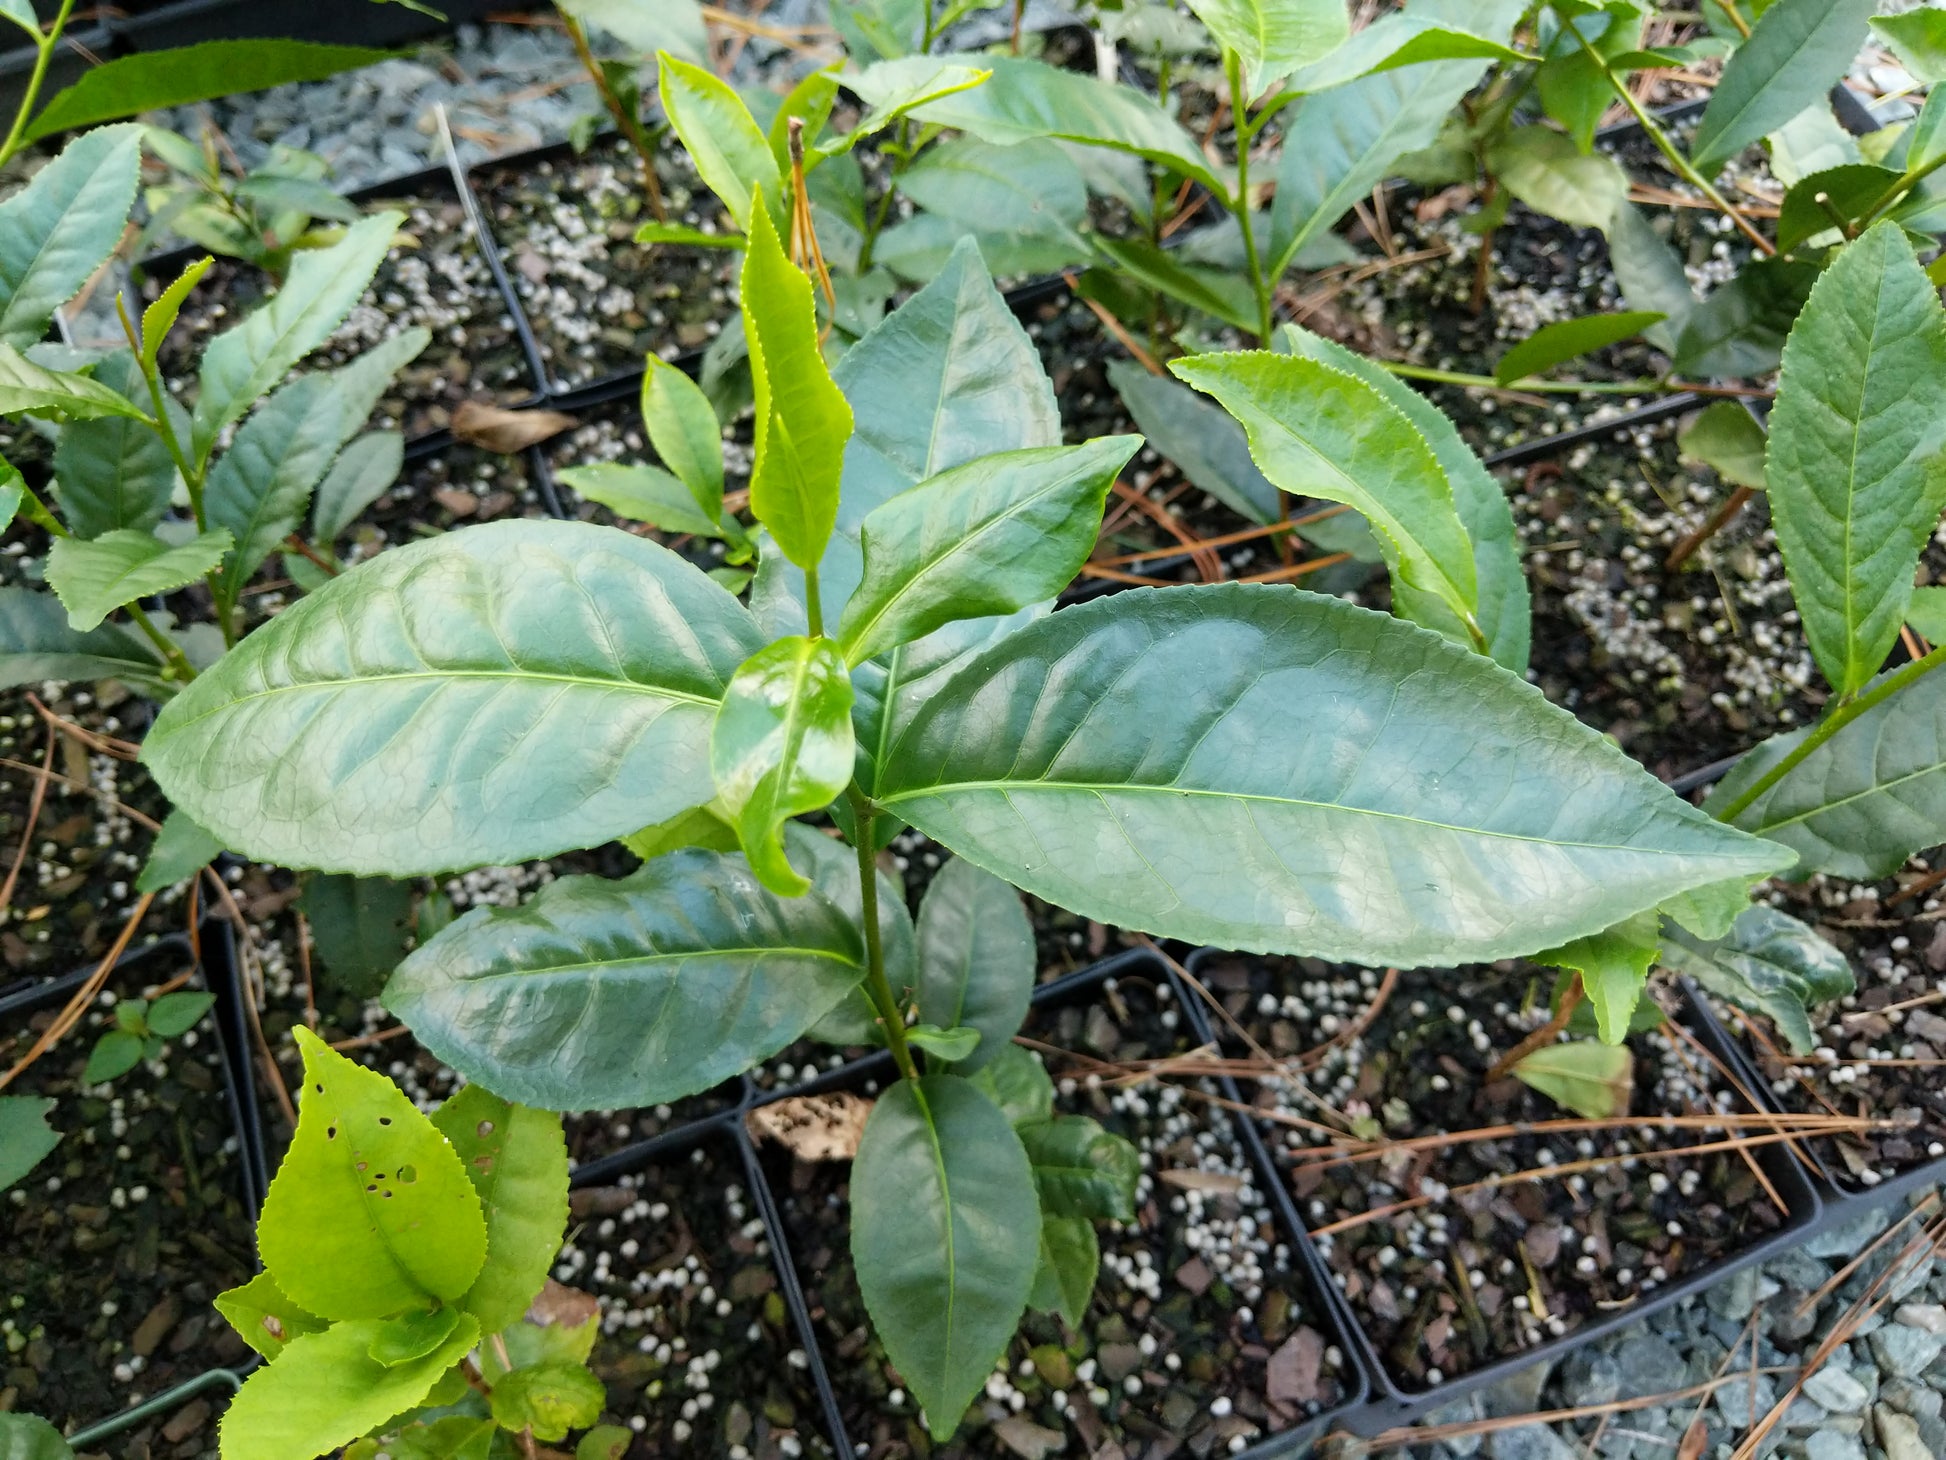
{"x": 1842, "y": 714}
{"x": 42, "y": 61}
{"x": 1683, "y": 166}
{"x": 38, "y": 512}
{"x": 192, "y": 480}
{"x": 1240, "y": 204}
{"x": 864, "y": 813}
{"x": 177, "y": 660}
{"x": 625, "y": 116}
{"x": 1566, "y": 387}
{"x": 1910, "y": 179}
{"x": 813, "y": 603}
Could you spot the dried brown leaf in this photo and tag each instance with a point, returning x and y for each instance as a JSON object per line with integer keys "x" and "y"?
{"x": 814, "y": 1127}
{"x": 498, "y": 429}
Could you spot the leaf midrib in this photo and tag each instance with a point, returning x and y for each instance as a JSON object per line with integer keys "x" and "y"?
{"x": 1012, "y": 788}
{"x": 1770, "y": 81}
{"x": 555, "y": 970}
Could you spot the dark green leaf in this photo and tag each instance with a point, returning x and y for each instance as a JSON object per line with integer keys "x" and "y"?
{"x": 176, "y": 1013}
{"x": 1505, "y": 614}
{"x": 1318, "y": 432}
{"x": 1547, "y": 172}
{"x": 114, "y": 1055}
{"x": 1866, "y": 799}
{"x": 782, "y": 747}
{"x": 38, "y": 644}
{"x": 364, "y": 471}
{"x": 980, "y": 540}
{"x": 1070, "y": 1258}
{"x": 920, "y": 247}
{"x": 25, "y": 1135}
{"x": 1203, "y": 440}
{"x": 976, "y": 958}
{"x": 1568, "y": 339}
{"x": 943, "y": 1236}
{"x": 94, "y": 578}
{"x": 1797, "y": 51}
{"x": 26, "y": 1436}
{"x": 422, "y": 668}
{"x": 264, "y": 1316}
{"x": 1740, "y": 329}
{"x": 606, "y": 995}
{"x": 1725, "y": 437}
{"x": 153, "y": 80}
{"x": 61, "y": 227}
{"x": 244, "y": 362}
{"x": 1225, "y": 296}
{"x": 1856, "y": 476}
{"x": 370, "y": 1212}
{"x": 1649, "y": 274}
{"x": 517, "y": 1159}
{"x": 1770, "y": 964}
{"x": 113, "y": 471}
{"x": 362, "y": 927}
{"x": 833, "y": 869}
{"x": 1099, "y": 757}
{"x": 1016, "y": 1081}
{"x": 1593, "y": 1080}
{"x": 1081, "y": 1170}
{"x": 1821, "y": 201}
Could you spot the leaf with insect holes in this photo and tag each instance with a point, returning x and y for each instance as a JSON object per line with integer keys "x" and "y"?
{"x": 517, "y": 1159}
{"x": 1592, "y": 1079}
{"x": 371, "y": 1212}
{"x": 1614, "y": 966}
{"x": 803, "y": 420}
{"x": 1725, "y": 437}
{"x": 264, "y": 1316}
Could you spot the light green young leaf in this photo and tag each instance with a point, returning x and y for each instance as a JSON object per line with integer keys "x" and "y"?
{"x": 434, "y": 658}
{"x": 1918, "y": 39}
{"x": 152, "y": 80}
{"x": 1725, "y": 437}
{"x": 1567, "y": 339}
{"x": 641, "y": 494}
{"x": 1593, "y": 1080}
{"x": 181, "y": 850}
{"x": 953, "y": 1046}
{"x": 1081, "y": 1170}
{"x": 880, "y": 28}
{"x": 1070, "y": 1260}
{"x": 1546, "y": 171}
{"x": 1017, "y": 1083}
{"x": 697, "y": 827}
{"x": 326, "y": 1389}
{"x": 1614, "y": 966}
{"x": 56, "y": 231}
{"x": 247, "y": 360}
{"x": 810, "y": 101}
{"x": 1856, "y": 474}
{"x": 724, "y": 141}
{"x": 264, "y": 1316}
{"x": 1023, "y": 99}
{"x": 1274, "y": 37}
{"x": 1797, "y": 51}
{"x": 1926, "y": 613}
{"x": 976, "y": 959}
{"x": 13, "y": 493}
{"x": 1505, "y": 613}
{"x": 412, "y": 1336}
{"x": 1769, "y": 964}
{"x": 1122, "y": 740}
{"x": 114, "y": 471}
{"x": 1318, "y": 432}
{"x": 160, "y": 316}
{"x": 34, "y": 390}
{"x": 1030, "y": 187}
{"x": 685, "y": 433}
{"x": 1402, "y": 38}
{"x": 364, "y": 471}
{"x": 371, "y": 1212}
{"x": 548, "y": 1399}
{"x": 803, "y": 420}
{"x": 944, "y": 1222}
{"x": 1810, "y": 142}
{"x": 995, "y": 535}
{"x": 1866, "y": 799}
{"x": 94, "y": 578}
{"x": 916, "y": 86}
{"x": 782, "y": 747}
{"x": 25, "y": 1136}
{"x": 1202, "y": 439}
{"x": 517, "y": 1159}
{"x": 603, "y": 995}
{"x": 39, "y": 645}
{"x": 29, "y": 1437}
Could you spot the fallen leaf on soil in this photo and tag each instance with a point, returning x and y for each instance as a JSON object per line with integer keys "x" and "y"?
{"x": 1215, "y": 1181}
{"x": 814, "y": 1127}
{"x": 505, "y": 431}
{"x": 1291, "y": 1376}
{"x": 1027, "y": 1439}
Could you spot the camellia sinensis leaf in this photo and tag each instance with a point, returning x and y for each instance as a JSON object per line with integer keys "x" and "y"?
{"x": 1770, "y": 964}
{"x": 723, "y": 140}
{"x": 517, "y": 1160}
{"x": 1592, "y": 1079}
{"x": 976, "y": 958}
{"x": 96, "y": 577}
{"x": 1797, "y": 51}
{"x": 1614, "y": 966}
{"x": 1725, "y": 437}
{"x": 58, "y": 229}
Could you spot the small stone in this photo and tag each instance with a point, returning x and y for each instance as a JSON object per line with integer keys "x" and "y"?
{"x": 186, "y": 1421}
{"x": 1904, "y": 1352}
{"x": 1743, "y": 1400}
{"x": 1027, "y": 1439}
{"x": 1518, "y": 1394}
{"x": 1797, "y": 1270}
{"x": 1292, "y": 1374}
{"x": 1929, "y": 1317}
{"x": 1831, "y": 1445}
{"x": 1849, "y": 1240}
{"x": 150, "y": 1332}
{"x": 1528, "y": 1442}
{"x": 1650, "y": 1365}
{"x": 1917, "y": 1400}
{"x": 1899, "y": 1435}
{"x": 1195, "y": 1276}
{"x": 1836, "y": 1390}
{"x": 1459, "y": 1412}
{"x": 1590, "y": 1377}
{"x": 1734, "y": 1297}
{"x": 1119, "y": 1360}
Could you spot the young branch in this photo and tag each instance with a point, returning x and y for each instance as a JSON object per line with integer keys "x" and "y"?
{"x": 44, "y": 57}
{"x": 1240, "y": 204}
{"x": 624, "y": 116}
{"x": 864, "y": 814}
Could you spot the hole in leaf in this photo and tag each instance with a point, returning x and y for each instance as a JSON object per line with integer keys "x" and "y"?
{"x": 385, "y": 1120}
{"x": 371, "y": 1186}
{"x": 408, "y": 1174}
{"x": 331, "y": 1133}
{"x": 485, "y": 1129}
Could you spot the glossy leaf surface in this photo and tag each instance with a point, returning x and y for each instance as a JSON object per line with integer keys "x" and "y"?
{"x": 37, "y": 643}
{"x": 684, "y": 431}
{"x": 370, "y": 1212}
{"x": 1203, "y": 440}
{"x": 1379, "y": 794}
{"x": 30, "y": 389}
{"x": 1856, "y": 474}
{"x": 1070, "y": 1260}
{"x": 984, "y": 539}
{"x": 1082, "y": 1170}
{"x": 372, "y": 726}
{"x": 724, "y": 142}
{"x": 113, "y": 471}
{"x": 1568, "y": 339}
{"x": 781, "y": 747}
{"x": 604, "y": 995}
{"x": 943, "y": 1235}
{"x": 1274, "y": 37}
{"x": 1769, "y": 964}
{"x": 976, "y": 958}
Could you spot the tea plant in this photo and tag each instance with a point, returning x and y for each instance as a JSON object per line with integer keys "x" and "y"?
{"x": 141, "y": 1031}
{"x": 1253, "y": 766}
{"x": 263, "y": 218}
